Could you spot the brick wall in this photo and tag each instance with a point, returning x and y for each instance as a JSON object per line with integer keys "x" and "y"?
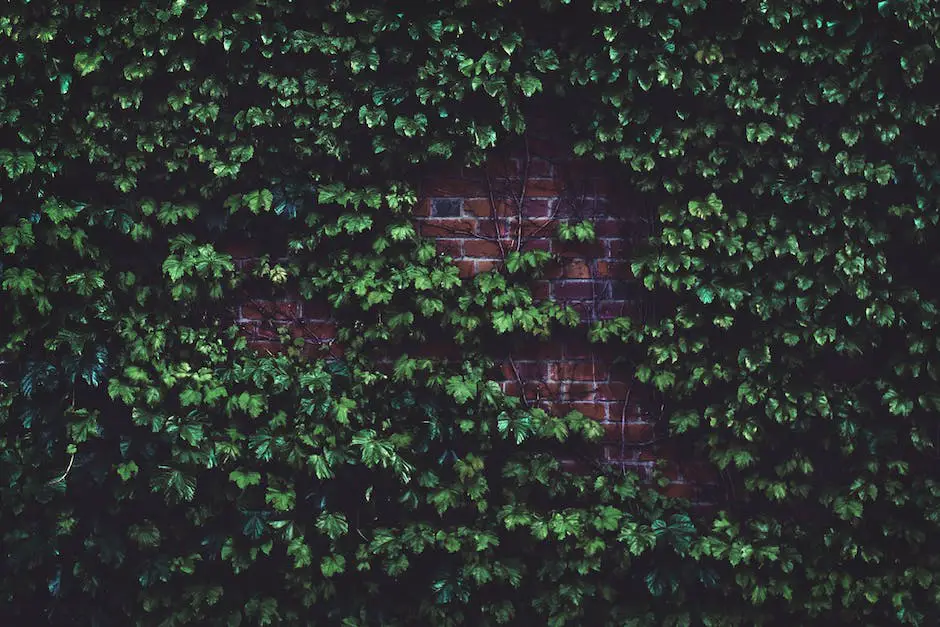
{"x": 479, "y": 215}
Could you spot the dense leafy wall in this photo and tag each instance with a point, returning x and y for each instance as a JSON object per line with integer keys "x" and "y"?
{"x": 155, "y": 471}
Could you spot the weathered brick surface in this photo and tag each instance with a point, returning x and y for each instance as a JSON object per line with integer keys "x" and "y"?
{"x": 479, "y": 215}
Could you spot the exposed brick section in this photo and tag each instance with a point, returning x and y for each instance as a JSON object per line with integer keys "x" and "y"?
{"x": 477, "y": 216}
{"x": 517, "y": 203}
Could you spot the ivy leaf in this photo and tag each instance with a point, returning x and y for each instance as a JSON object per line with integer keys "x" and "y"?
{"x": 332, "y": 565}
{"x": 705, "y": 294}
{"x": 127, "y": 470}
{"x": 87, "y": 62}
{"x": 300, "y": 551}
{"x": 332, "y": 524}
{"x": 281, "y": 500}
{"x": 461, "y": 389}
{"x": 530, "y": 85}
{"x": 175, "y": 485}
{"x": 243, "y": 478}
{"x": 259, "y": 200}
{"x": 254, "y": 526}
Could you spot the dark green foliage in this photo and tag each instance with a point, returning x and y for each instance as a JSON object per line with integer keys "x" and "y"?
{"x": 157, "y": 472}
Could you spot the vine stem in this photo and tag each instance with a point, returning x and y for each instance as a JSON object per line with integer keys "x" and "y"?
{"x": 65, "y": 474}
{"x": 520, "y": 201}
{"x": 515, "y": 371}
{"x": 494, "y": 217}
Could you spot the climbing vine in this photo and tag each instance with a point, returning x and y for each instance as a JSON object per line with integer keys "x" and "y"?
{"x": 156, "y": 470}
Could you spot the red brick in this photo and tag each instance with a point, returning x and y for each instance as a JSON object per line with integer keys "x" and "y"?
{"x": 313, "y": 350}
{"x": 534, "y": 227}
{"x": 479, "y": 207}
{"x": 482, "y": 265}
{"x": 452, "y": 247}
{"x": 639, "y": 433}
{"x": 579, "y": 371}
{"x": 526, "y": 370}
{"x": 611, "y": 453}
{"x": 577, "y": 269}
{"x": 493, "y": 228}
{"x": 585, "y": 250}
{"x": 314, "y": 331}
{"x": 615, "y": 248}
{"x": 422, "y": 209}
{"x": 537, "y": 244}
{"x": 670, "y": 471}
{"x": 632, "y": 413}
{"x": 608, "y": 228}
{"x": 269, "y": 331}
{"x": 614, "y": 269}
{"x": 680, "y": 491}
{"x": 469, "y": 267}
{"x": 266, "y": 347}
{"x": 615, "y": 309}
{"x": 580, "y": 391}
{"x": 447, "y": 227}
{"x": 538, "y": 390}
{"x": 573, "y": 290}
{"x": 572, "y": 268}
{"x": 537, "y": 208}
{"x": 585, "y": 310}
{"x": 486, "y": 248}
{"x": 612, "y": 391}
{"x": 594, "y": 411}
{"x": 540, "y": 290}
{"x": 629, "y": 432}
{"x": 484, "y": 207}
{"x": 256, "y": 331}
{"x": 542, "y": 187}
{"x": 567, "y": 207}
{"x": 271, "y": 310}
